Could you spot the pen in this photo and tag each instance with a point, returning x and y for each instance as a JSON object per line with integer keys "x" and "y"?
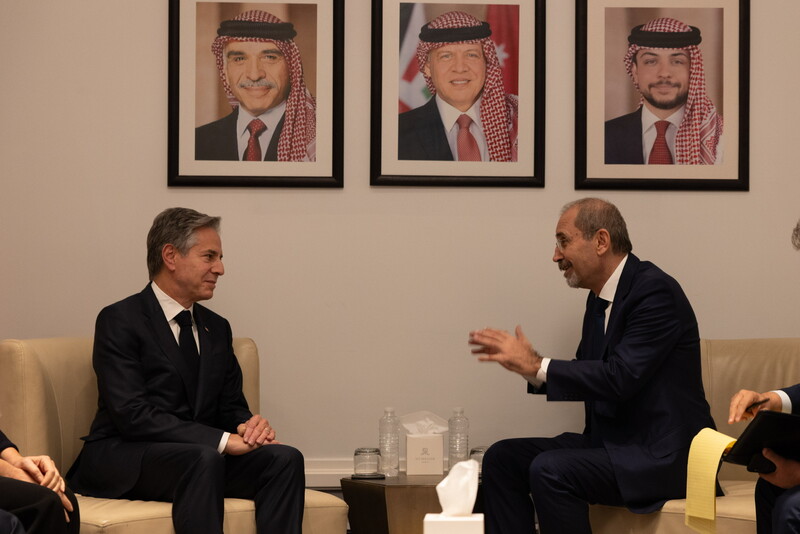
{"x": 757, "y": 403}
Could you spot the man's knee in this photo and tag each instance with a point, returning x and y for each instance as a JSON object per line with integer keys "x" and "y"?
{"x": 498, "y": 455}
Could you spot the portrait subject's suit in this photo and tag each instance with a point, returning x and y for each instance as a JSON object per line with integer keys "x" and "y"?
{"x": 421, "y": 134}
{"x": 623, "y": 139}
{"x": 217, "y": 141}
{"x": 644, "y": 402}
{"x": 152, "y": 415}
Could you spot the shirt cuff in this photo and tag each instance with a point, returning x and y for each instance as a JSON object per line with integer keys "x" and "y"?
{"x": 223, "y": 442}
{"x": 541, "y": 374}
{"x": 785, "y": 400}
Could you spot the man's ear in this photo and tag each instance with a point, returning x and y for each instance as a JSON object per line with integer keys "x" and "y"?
{"x": 635, "y": 74}
{"x": 602, "y": 241}
{"x": 426, "y": 70}
{"x": 168, "y": 254}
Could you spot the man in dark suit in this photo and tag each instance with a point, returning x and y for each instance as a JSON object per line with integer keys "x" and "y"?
{"x": 274, "y": 114}
{"x": 676, "y": 122}
{"x": 172, "y": 422}
{"x": 637, "y": 370}
{"x": 778, "y": 493}
{"x": 470, "y": 117}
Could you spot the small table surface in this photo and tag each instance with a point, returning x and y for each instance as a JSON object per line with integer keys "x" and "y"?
{"x": 394, "y": 505}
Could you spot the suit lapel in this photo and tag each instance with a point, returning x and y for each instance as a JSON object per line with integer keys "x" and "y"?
{"x": 433, "y": 135}
{"x": 165, "y": 339}
{"x": 623, "y": 289}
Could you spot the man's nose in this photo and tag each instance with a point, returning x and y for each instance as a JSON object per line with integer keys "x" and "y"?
{"x": 218, "y": 268}
{"x": 557, "y": 255}
{"x": 254, "y": 69}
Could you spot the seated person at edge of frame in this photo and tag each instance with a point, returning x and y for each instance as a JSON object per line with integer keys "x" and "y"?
{"x": 777, "y": 494}
{"x": 470, "y": 117}
{"x": 172, "y": 422}
{"x": 637, "y": 371}
{"x": 676, "y": 122}
{"x": 33, "y": 496}
{"x": 274, "y": 114}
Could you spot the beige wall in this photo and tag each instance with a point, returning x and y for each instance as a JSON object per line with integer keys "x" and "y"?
{"x": 362, "y": 297}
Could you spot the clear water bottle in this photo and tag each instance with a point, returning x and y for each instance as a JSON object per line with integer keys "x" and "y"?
{"x": 389, "y": 442}
{"x": 459, "y": 437}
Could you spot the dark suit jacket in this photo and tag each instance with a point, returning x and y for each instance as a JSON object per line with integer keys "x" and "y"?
{"x": 217, "y": 140}
{"x": 645, "y": 395}
{"x": 143, "y": 393}
{"x": 624, "y": 139}
{"x": 794, "y": 396}
{"x": 5, "y": 442}
{"x": 421, "y": 134}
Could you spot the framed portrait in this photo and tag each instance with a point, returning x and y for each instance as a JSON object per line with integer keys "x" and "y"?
{"x": 458, "y": 93}
{"x": 256, "y": 94}
{"x": 662, "y": 94}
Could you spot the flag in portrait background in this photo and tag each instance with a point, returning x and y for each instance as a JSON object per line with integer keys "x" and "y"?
{"x": 504, "y": 21}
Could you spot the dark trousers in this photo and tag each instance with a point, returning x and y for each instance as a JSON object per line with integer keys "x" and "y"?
{"x": 37, "y": 508}
{"x": 777, "y": 510}
{"x": 553, "y": 478}
{"x": 196, "y": 479}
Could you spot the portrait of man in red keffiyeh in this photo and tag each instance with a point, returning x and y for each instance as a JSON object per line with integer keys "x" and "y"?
{"x": 676, "y": 122}
{"x": 274, "y": 113}
{"x": 470, "y": 116}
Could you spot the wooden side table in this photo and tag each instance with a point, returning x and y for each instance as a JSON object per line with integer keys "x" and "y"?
{"x": 395, "y": 505}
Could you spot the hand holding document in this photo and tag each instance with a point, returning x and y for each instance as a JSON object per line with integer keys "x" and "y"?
{"x": 777, "y": 431}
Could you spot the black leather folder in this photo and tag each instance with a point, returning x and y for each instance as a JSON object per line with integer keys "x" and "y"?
{"x": 773, "y": 430}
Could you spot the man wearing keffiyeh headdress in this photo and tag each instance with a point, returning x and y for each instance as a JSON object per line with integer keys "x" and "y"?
{"x": 676, "y": 122}
{"x": 459, "y": 62}
{"x": 274, "y": 114}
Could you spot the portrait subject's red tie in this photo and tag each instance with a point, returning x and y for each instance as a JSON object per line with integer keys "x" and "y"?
{"x": 467, "y": 146}
{"x": 660, "y": 154}
{"x": 253, "y": 151}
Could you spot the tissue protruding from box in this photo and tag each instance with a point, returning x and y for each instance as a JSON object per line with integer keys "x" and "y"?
{"x": 424, "y": 454}
{"x": 442, "y": 524}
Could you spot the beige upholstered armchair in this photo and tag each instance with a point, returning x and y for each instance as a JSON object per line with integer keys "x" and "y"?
{"x": 48, "y": 397}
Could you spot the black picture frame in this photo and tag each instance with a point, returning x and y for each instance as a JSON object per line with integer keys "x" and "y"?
{"x": 385, "y": 167}
{"x": 731, "y": 42}
{"x": 185, "y": 53}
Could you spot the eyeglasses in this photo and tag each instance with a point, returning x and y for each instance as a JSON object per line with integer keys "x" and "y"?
{"x": 562, "y": 242}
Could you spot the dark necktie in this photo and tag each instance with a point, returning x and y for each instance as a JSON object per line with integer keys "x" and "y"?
{"x": 660, "y": 155}
{"x": 188, "y": 347}
{"x": 598, "y": 327}
{"x": 253, "y": 152}
{"x": 467, "y": 146}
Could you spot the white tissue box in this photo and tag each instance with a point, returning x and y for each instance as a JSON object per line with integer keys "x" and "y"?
{"x": 442, "y": 524}
{"x": 424, "y": 454}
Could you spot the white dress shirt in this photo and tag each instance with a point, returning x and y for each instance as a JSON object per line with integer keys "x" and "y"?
{"x": 450, "y": 115}
{"x": 171, "y": 308}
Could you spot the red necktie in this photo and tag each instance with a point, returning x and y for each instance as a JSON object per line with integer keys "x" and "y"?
{"x": 253, "y": 152}
{"x": 467, "y": 146}
{"x": 660, "y": 154}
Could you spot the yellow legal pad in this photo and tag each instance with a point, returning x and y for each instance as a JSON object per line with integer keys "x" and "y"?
{"x": 705, "y": 453}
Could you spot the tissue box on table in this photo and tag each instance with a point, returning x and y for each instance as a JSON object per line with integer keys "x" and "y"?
{"x": 442, "y": 524}
{"x": 424, "y": 454}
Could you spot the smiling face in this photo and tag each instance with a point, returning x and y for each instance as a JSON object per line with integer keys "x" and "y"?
{"x": 257, "y": 73}
{"x": 194, "y": 276}
{"x": 662, "y": 76}
{"x": 458, "y": 72}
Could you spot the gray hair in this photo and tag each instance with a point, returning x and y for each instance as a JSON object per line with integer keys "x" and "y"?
{"x": 177, "y": 227}
{"x": 594, "y": 214}
{"x": 796, "y": 236}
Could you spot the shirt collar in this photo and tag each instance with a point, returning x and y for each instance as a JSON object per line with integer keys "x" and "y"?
{"x": 610, "y": 287}
{"x": 649, "y": 119}
{"x": 450, "y": 115}
{"x": 270, "y": 118}
{"x": 169, "y": 306}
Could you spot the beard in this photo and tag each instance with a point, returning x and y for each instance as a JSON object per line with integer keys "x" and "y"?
{"x": 673, "y": 103}
{"x": 573, "y": 280}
